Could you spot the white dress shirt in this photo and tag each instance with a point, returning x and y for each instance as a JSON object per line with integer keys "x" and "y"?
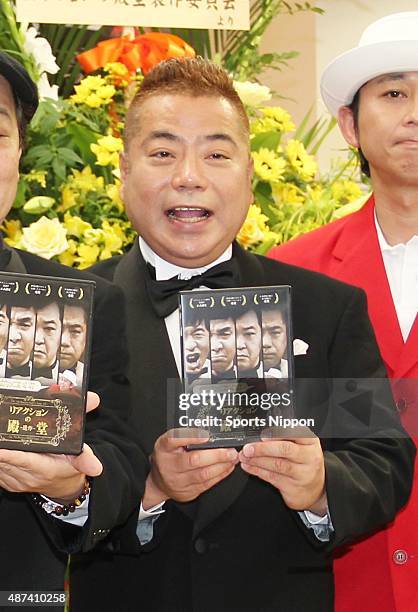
{"x": 401, "y": 265}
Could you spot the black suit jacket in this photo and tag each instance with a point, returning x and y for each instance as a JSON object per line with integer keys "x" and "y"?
{"x": 238, "y": 546}
{"x": 34, "y": 545}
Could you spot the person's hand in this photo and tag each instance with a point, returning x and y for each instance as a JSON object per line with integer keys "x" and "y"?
{"x": 93, "y": 401}
{"x": 294, "y": 466}
{"x": 183, "y": 475}
{"x": 60, "y": 477}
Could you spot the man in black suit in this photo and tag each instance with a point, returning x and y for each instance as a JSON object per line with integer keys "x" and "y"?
{"x": 220, "y": 529}
{"x": 34, "y": 540}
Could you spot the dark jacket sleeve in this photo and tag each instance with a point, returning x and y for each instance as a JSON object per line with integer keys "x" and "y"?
{"x": 117, "y": 491}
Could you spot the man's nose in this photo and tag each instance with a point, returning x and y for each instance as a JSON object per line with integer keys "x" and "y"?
{"x": 188, "y": 174}
{"x": 412, "y": 108}
{"x": 266, "y": 340}
{"x": 14, "y": 334}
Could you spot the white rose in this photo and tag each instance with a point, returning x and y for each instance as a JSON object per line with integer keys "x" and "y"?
{"x": 46, "y": 237}
{"x": 252, "y": 94}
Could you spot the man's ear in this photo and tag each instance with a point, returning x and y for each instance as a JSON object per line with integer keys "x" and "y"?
{"x": 123, "y": 165}
{"x": 250, "y": 173}
{"x": 347, "y": 126}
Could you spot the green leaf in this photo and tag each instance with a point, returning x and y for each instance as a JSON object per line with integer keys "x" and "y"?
{"x": 267, "y": 140}
{"x": 69, "y": 156}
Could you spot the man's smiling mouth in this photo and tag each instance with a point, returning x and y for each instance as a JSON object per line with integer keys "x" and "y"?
{"x": 188, "y": 214}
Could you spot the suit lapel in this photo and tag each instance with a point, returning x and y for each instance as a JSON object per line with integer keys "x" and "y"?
{"x": 152, "y": 362}
{"x": 408, "y": 362}
{"x": 357, "y": 259}
{"x": 218, "y": 499}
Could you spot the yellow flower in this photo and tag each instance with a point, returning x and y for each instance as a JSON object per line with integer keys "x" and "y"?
{"x": 68, "y": 198}
{"x": 46, "y": 237}
{"x": 117, "y": 69}
{"x": 93, "y": 236}
{"x": 87, "y": 255}
{"x": 85, "y": 180}
{"x": 67, "y": 258}
{"x": 267, "y": 165}
{"x": 281, "y": 118}
{"x": 75, "y": 226}
{"x": 107, "y": 150}
{"x": 36, "y": 176}
{"x": 94, "y": 91}
{"x": 113, "y": 192}
{"x": 287, "y": 193}
{"x": 345, "y": 191}
{"x": 13, "y": 232}
{"x": 302, "y": 162}
{"x": 254, "y": 228}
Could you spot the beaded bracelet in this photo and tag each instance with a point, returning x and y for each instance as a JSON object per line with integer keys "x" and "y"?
{"x": 62, "y": 510}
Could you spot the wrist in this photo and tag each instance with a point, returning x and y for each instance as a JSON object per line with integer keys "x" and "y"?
{"x": 320, "y": 507}
{"x": 153, "y": 495}
{"x": 66, "y": 494}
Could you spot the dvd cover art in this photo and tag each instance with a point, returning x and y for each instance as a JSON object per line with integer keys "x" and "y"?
{"x": 44, "y": 352}
{"x": 237, "y": 366}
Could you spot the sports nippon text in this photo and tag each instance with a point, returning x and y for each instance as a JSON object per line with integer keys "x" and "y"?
{"x": 234, "y": 409}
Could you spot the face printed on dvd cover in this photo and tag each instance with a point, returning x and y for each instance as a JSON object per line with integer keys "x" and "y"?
{"x": 196, "y": 347}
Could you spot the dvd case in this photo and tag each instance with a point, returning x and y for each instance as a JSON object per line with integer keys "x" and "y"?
{"x": 45, "y": 335}
{"x": 237, "y": 363}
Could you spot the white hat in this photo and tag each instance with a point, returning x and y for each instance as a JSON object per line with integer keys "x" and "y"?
{"x": 388, "y": 45}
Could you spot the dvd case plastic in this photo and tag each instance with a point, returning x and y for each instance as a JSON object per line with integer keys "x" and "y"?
{"x": 45, "y": 331}
{"x": 237, "y": 363}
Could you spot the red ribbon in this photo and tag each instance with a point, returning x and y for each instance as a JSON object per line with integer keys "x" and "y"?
{"x": 144, "y": 52}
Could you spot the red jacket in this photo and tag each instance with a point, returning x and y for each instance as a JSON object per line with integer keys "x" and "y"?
{"x": 380, "y": 573}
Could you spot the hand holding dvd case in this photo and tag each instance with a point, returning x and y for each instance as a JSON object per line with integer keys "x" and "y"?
{"x": 45, "y": 326}
{"x": 237, "y": 363}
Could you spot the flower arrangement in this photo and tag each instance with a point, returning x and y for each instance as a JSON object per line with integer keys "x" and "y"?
{"x": 291, "y": 196}
{"x": 68, "y": 204}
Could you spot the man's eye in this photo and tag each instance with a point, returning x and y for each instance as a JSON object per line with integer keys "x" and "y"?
{"x": 161, "y": 154}
{"x": 218, "y": 156}
{"x": 394, "y": 93}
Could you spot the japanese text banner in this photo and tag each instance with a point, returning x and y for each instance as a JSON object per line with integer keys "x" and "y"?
{"x": 206, "y": 14}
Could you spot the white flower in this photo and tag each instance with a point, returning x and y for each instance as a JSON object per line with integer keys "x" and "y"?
{"x": 45, "y": 89}
{"x": 45, "y": 237}
{"x": 300, "y": 347}
{"x": 252, "y": 94}
{"x": 41, "y": 51}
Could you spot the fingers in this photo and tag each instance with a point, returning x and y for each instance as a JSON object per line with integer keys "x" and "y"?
{"x": 87, "y": 462}
{"x": 181, "y": 437}
{"x": 297, "y": 450}
{"x": 93, "y": 400}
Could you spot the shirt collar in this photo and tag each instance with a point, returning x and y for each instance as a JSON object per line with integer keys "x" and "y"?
{"x": 165, "y": 270}
{"x": 383, "y": 243}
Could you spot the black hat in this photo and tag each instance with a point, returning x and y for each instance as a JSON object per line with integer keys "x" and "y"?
{"x": 24, "y": 89}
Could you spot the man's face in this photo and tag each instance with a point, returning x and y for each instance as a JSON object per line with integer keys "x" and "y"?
{"x": 387, "y": 127}
{"x": 248, "y": 341}
{"x": 274, "y": 338}
{"x": 196, "y": 347}
{"x": 222, "y": 345}
{"x": 47, "y": 336}
{"x": 186, "y": 177}
{"x": 21, "y": 335}
{"x": 9, "y": 149}
{"x": 4, "y": 326}
{"x": 73, "y": 339}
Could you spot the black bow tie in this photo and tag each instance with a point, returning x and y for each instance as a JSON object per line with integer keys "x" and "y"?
{"x": 23, "y": 371}
{"x": 163, "y": 294}
{"x": 42, "y": 373}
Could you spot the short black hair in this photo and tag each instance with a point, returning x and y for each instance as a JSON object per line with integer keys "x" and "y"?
{"x": 354, "y": 107}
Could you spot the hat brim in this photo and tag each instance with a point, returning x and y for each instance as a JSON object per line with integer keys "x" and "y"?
{"x": 344, "y": 76}
{"x": 21, "y": 84}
